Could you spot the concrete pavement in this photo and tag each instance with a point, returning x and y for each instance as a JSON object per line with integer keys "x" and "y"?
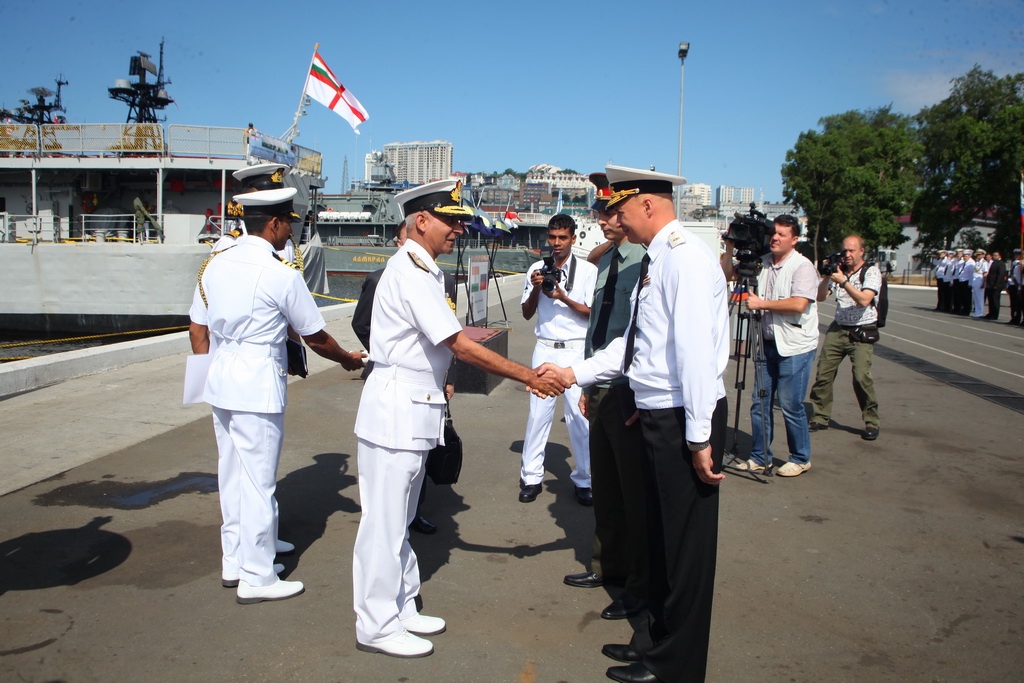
{"x": 898, "y": 559}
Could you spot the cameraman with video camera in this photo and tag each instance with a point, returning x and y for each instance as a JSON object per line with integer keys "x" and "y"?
{"x": 559, "y": 291}
{"x": 852, "y": 333}
{"x": 787, "y": 287}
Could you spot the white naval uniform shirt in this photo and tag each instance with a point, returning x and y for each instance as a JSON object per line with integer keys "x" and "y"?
{"x": 980, "y": 271}
{"x": 253, "y": 298}
{"x": 682, "y": 340}
{"x": 966, "y": 273}
{"x": 555, "y": 320}
{"x": 402, "y": 404}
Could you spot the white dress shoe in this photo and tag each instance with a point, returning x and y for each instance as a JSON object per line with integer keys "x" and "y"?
{"x": 404, "y": 644}
{"x": 422, "y": 625}
{"x": 283, "y": 547}
{"x": 281, "y": 590}
{"x": 230, "y": 580}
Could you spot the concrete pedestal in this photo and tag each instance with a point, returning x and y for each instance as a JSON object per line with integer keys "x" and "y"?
{"x": 470, "y": 379}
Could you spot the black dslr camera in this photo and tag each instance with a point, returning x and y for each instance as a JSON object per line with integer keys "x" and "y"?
{"x": 751, "y": 238}
{"x": 832, "y": 263}
{"x": 552, "y": 274}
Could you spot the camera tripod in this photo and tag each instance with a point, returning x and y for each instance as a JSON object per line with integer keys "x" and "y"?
{"x": 754, "y": 338}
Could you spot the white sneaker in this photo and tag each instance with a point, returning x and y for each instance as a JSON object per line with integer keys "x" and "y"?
{"x": 283, "y": 547}
{"x": 792, "y": 469}
{"x": 404, "y": 645}
{"x": 748, "y": 466}
{"x": 230, "y": 580}
{"x": 280, "y": 590}
{"x": 422, "y": 625}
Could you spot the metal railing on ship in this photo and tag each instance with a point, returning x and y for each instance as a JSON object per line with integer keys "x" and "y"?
{"x": 122, "y": 227}
{"x": 127, "y": 139}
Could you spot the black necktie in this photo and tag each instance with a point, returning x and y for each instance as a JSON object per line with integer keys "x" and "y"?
{"x": 631, "y": 339}
{"x": 607, "y": 299}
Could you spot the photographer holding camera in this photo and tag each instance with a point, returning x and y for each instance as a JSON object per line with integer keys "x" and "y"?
{"x": 787, "y": 286}
{"x": 852, "y": 333}
{"x": 559, "y": 292}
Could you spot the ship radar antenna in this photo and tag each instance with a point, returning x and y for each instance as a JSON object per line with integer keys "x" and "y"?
{"x": 40, "y": 111}
{"x": 144, "y": 99}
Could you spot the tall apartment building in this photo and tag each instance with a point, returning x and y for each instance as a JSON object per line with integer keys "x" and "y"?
{"x": 420, "y": 162}
{"x": 700, "y": 190}
{"x": 726, "y": 194}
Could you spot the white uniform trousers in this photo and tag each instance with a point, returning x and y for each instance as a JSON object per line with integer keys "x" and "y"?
{"x": 385, "y": 575}
{"x": 542, "y": 412}
{"x": 978, "y": 290}
{"x": 249, "y": 448}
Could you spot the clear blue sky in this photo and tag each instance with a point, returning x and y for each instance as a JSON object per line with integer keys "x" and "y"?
{"x": 512, "y": 84}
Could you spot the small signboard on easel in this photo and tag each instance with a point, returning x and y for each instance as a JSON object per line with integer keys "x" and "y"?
{"x": 477, "y": 278}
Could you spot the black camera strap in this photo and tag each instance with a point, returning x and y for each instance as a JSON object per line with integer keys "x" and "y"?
{"x": 572, "y": 272}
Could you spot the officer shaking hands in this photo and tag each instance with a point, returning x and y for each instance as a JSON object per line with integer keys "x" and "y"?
{"x": 401, "y": 416}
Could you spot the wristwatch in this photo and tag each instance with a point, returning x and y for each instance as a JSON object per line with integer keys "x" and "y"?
{"x": 694, "y": 447}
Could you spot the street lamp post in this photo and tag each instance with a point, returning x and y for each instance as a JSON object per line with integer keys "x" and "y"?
{"x": 684, "y": 49}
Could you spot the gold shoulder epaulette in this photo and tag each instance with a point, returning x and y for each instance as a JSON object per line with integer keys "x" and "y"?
{"x": 676, "y": 238}
{"x": 287, "y": 263}
{"x": 418, "y": 261}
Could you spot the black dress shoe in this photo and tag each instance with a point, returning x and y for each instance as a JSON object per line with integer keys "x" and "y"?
{"x": 529, "y": 493}
{"x": 584, "y": 496}
{"x": 421, "y": 525}
{"x": 817, "y": 427}
{"x": 624, "y": 607}
{"x": 585, "y": 580}
{"x": 620, "y": 653}
{"x": 633, "y": 673}
{"x": 870, "y": 434}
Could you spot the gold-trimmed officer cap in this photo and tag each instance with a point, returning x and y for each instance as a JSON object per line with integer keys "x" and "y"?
{"x": 442, "y": 197}
{"x": 626, "y": 182}
{"x": 270, "y": 203}
{"x": 603, "y": 193}
{"x": 261, "y": 177}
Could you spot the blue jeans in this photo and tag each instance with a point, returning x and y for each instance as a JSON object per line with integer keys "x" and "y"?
{"x": 785, "y": 377}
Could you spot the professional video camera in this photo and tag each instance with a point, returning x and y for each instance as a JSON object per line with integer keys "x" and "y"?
{"x": 751, "y": 237}
{"x": 832, "y": 263}
{"x": 552, "y": 274}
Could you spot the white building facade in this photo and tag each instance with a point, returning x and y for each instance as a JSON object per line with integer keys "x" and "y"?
{"x": 420, "y": 162}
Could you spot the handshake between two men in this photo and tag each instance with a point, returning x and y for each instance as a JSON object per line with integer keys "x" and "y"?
{"x": 551, "y": 381}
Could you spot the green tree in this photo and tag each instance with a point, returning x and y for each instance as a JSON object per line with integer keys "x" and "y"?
{"x": 855, "y": 175}
{"x": 972, "y": 159}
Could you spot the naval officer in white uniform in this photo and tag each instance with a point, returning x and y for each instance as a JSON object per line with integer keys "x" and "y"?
{"x": 257, "y": 178}
{"x": 400, "y": 418}
{"x": 246, "y": 299}
{"x": 675, "y": 353}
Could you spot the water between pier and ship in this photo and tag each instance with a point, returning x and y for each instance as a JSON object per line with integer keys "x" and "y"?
{"x": 17, "y": 345}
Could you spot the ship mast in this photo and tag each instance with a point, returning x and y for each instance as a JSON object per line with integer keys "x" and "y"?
{"x": 144, "y": 99}
{"x": 293, "y": 132}
{"x": 42, "y": 111}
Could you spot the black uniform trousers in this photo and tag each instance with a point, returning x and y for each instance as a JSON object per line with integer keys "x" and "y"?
{"x": 1015, "y": 302}
{"x": 961, "y": 297}
{"x": 617, "y": 463}
{"x": 683, "y": 532}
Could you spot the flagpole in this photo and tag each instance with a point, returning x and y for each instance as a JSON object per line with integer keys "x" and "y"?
{"x": 293, "y": 132}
